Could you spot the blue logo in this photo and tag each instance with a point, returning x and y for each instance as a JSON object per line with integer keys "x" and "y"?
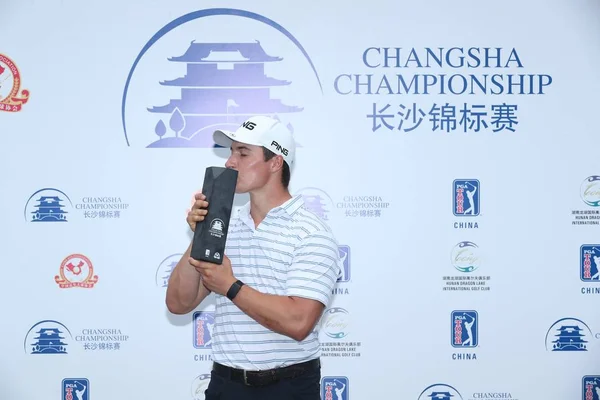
{"x": 222, "y": 78}
{"x": 48, "y": 205}
{"x": 591, "y": 387}
{"x": 466, "y": 195}
{"x": 335, "y": 388}
{"x": 440, "y": 391}
{"x": 465, "y": 329}
{"x": 75, "y": 389}
{"x": 589, "y": 256}
{"x": 204, "y": 321}
{"x": 317, "y": 201}
{"x": 47, "y": 337}
{"x": 344, "y": 251}
{"x": 165, "y": 268}
{"x": 568, "y": 334}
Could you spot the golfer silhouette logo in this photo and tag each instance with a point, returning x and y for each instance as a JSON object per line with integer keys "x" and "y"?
{"x": 335, "y": 388}
{"x": 590, "y": 263}
{"x": 344, "y": 251}
{"x": 204, "y": 321}
{"x": 466, "y": 194}
{"x": 75, "y": 389}
{"x": 465, "y": 328}
{"x": 591, "y": 387}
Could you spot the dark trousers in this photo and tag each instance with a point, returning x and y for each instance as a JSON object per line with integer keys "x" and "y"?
{"x": 305, "y": 386}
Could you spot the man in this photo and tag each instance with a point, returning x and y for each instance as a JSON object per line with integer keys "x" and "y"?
{"x": 280, "y": 266}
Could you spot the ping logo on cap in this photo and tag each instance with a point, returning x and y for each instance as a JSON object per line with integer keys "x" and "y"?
{"x": 249, "y": 125}
{"x": 280, "y": 148}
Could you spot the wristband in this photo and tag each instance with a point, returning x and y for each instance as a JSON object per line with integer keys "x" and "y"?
{"x": 234, "y": 289}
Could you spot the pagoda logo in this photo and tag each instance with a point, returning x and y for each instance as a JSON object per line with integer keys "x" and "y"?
{"x": 165, "y": 268}
{"x": 12, "y": 97}
{"x": 48, "y": 205}
{"x": 47, "y": 337}
{"x": 179, "y": 92}
{"x": 317, "y": 201}
{"x": 569, "y": 335}
{"x": 53, "y": 205}
{"x": 440, "y": 391}
{"x": 76, "y": 271}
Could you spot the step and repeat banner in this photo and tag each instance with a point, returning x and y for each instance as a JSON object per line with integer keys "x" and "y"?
{"x": 450, "y": 147}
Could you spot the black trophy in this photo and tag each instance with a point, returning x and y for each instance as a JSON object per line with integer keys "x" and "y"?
{"x": 210, "y": 235}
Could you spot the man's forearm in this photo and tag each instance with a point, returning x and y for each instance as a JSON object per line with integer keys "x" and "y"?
{"x": 280, "y": 314}
{"x": 185, "y": 290}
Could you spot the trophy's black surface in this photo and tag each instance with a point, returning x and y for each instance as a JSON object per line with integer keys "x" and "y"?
{"x": 210, "y": 235}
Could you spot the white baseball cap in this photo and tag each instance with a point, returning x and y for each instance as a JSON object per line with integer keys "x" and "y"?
{"x": 261, "y": 131}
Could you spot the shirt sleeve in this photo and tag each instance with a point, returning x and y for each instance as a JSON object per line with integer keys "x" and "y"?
{"x": 315, "y": 268}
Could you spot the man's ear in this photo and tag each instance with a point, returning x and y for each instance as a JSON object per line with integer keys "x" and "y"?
{"x": 276, "y": 163}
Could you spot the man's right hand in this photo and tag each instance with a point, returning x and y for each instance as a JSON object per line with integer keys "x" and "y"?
{"x": 198, "y": 211}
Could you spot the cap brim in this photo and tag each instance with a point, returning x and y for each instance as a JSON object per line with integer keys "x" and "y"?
{"x": 223, "y": 138}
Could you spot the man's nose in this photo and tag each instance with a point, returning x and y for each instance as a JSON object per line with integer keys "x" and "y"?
{"x": 230, "y": 163}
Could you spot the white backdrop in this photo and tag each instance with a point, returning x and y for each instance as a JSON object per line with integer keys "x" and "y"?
{"x": 87, "y": 139}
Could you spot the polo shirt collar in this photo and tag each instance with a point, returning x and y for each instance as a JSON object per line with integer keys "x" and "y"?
{"x": 292, "y": 205}
{"x": 288, "y": 208}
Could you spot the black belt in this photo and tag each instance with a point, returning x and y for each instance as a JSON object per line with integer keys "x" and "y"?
{"x": 265, "y": 377}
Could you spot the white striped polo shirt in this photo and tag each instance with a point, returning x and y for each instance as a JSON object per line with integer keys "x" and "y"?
{"x": 291, "y": 253}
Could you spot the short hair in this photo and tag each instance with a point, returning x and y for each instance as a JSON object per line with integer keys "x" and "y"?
{"x": 285, "y": 173}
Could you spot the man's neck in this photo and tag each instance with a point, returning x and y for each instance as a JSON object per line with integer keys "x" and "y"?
{"x": 263, "y": 202}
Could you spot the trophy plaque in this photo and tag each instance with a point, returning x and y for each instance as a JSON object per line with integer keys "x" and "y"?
{"x": 210, "y": 235}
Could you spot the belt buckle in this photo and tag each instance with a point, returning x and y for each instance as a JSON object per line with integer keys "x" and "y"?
{"x": 245, "y": 378}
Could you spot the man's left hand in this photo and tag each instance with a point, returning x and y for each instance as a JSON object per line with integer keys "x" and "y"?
{"x": 216, "y": 278}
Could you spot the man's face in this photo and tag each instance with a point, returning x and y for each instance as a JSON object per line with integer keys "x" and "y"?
{"x": 248, "y": 160}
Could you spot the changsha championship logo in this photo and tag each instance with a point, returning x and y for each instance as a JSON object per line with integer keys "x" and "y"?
{"x": 212, "y": 78}
{"x": 12, "y": 97}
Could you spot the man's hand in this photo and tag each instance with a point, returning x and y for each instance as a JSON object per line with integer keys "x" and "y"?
{"x": 216, "y": 278}
{"x": 198, "y": 211}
